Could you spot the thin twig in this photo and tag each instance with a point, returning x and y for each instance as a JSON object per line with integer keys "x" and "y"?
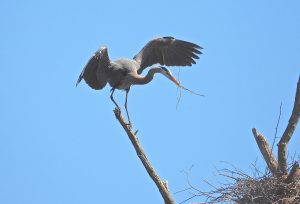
{"x": 276, "y": 129}
{"x": 188, "y": 199}
{"x": 184, "y": 88}
{"x": 180, "y": 191}
{"x": 191, "y": 92}
{"x": 178, "y": 93}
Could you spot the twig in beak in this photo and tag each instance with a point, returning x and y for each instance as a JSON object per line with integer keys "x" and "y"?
{"x": 178, "y": 92}
{"x": 192, "y": 92}
{"x": 179, "y": 86}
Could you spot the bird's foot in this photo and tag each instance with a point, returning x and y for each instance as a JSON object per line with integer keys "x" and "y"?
{"x": 117, "y": 110}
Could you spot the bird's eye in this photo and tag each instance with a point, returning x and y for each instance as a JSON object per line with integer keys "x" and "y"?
{"x": 165, "y": 69}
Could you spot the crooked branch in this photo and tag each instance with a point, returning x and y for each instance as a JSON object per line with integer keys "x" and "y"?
{"x": 288, "y": 133}
{"x": 161, "y": 185}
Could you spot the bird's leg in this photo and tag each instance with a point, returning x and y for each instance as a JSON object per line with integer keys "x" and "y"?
{"x": 112, "y": 98}
{"x": 127, "y": 91}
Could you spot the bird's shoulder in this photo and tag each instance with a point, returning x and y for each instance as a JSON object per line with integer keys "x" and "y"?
{"x": 124, "y": 65}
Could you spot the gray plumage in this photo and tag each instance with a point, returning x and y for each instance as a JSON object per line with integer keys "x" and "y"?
{"x": 123, "y": 73}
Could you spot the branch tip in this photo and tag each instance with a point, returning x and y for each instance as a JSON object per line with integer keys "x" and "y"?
{"x": 254, "y": 131}
{"x": 266, "y": 152}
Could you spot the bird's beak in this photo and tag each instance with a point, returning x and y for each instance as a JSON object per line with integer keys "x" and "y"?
{"x": 174, "y": 80}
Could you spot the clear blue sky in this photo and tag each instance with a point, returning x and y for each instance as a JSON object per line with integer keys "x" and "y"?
{"x": 61, "y": 144}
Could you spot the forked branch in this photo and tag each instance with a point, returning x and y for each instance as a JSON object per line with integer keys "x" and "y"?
{"x": 161, "y": 185}
{"x": 280, "y": 167}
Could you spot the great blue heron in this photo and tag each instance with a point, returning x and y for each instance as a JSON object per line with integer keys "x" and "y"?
{"x": 123, "y": 73}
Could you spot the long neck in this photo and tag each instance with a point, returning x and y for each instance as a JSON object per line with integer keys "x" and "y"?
{"x": 146, "y": 79}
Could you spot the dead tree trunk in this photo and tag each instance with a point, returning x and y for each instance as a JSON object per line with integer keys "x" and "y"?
{"x": 279, "y": 168}
{"x": 161, "y": 185}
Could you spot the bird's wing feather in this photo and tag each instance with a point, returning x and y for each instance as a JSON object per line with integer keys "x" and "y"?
{"x": 95, "y": 71}
{"x": 167, "y": 51}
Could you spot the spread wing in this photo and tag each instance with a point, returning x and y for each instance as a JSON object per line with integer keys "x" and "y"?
{"x": 95, "y": 71}
{"x": 167, "y": 51}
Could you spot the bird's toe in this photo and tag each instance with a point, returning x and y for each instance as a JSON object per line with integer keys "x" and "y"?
{"x": 129, "y": 125}
{"x": 117, "y": 110}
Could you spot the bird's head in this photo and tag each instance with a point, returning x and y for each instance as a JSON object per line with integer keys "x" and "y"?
{"x": 167, "y": 73}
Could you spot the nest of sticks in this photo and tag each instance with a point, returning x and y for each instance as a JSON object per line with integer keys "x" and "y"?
{"x": 279, "y": 184}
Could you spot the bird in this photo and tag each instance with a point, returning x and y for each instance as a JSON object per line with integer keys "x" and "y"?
{"x": 123, "y": 73}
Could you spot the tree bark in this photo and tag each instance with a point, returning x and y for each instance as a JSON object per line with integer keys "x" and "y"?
{"x": 288, "y": 133}
{"x": 266, "y": 151}
{"x": 161, "y": 185}
{"x": 280, "y": 167}
{"x": 294, "y": 174}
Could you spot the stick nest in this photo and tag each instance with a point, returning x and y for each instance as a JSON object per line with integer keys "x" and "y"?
{"x": 242, "y": 188}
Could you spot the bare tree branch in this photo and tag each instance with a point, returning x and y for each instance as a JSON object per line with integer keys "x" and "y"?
{"x": 288, "y": 133}
{"x": 294, "y": 174}
{"x": 266, "y": 151}
{"x": 161, "y": 185}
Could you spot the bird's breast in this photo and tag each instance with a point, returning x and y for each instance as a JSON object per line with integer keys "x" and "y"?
{"x": 120, "y": 81}
{"x": 120, "y": 73}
